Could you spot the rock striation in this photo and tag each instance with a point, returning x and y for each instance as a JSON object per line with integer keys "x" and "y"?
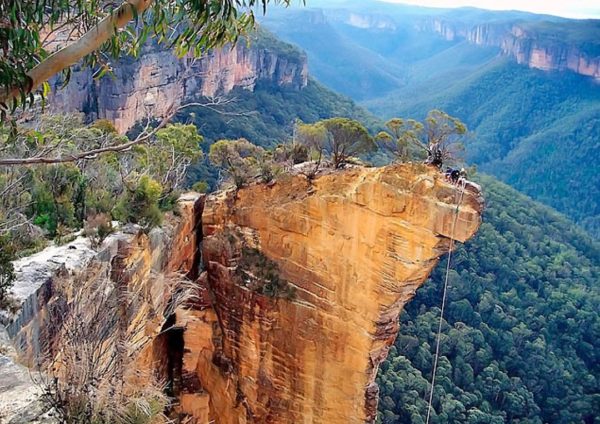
{"x": 158, "y": 81}
{"x": 299, "y": 287}
{"x": 525, "y": 44}
{"x": 355, "y": 245}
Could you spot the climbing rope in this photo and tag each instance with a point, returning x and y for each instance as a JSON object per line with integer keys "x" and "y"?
{"x": 439, "y": 334}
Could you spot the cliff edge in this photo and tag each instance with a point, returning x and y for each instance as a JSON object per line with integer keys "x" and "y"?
{"x": 354, "y": 246}
{"x": 299, "y": 287}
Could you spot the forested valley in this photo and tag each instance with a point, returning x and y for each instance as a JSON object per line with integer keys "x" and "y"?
{"x": 520, "y": 340}
{"x": 520, "y": 332}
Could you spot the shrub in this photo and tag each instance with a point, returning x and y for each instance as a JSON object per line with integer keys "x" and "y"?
{"x": 141, "y": 205}
{"x": 239, "y": 159}
{"x": 105, "y": 126}
{"x": 97, "y": 228}
{"x": 261, "y": 274}
{"x": 201, "y": 187}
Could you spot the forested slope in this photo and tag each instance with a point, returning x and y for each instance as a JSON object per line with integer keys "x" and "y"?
{"x": 521, "y": 332}
{"x": 534, "y": 129}
{"x": 539, "y": 132}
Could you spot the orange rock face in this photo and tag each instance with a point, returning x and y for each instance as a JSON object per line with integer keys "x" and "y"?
{"x": 159, "y": 81}
{"x": 354, "y": 246}
{"x": 300, "y": 285}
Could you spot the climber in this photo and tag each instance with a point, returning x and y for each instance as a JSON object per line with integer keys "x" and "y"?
{"x": 463, "y": 176}
{"x": 454, "y": 176}
{"x": 448, "y": 173}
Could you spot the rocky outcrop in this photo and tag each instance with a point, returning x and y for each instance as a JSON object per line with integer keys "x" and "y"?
{"x": 157, "y": 81}
{"x": 524, "y": 44}
{"x": 299, "y": 288}
{"x": 355, "y": 246}
{"x": 49, "y": 282}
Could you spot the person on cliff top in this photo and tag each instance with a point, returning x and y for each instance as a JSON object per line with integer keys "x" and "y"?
{"x": 448, "y": 173}
{"x": 454, "y": 176}
{"x": 434, "y": 155}
{"x": 463, "y": 176}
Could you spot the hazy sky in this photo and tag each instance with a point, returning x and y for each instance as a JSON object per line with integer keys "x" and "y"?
{"x": 567, "y": 8}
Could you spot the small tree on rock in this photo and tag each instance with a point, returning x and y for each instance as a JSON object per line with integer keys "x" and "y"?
{"x": 438, "y": 135}
{"x": 346, "y": 138}
{"x": 239, "y": 159}
{"x": 444, "y": 132}
{"x": 399, "y": 136}
{"x": 314, "y": 138}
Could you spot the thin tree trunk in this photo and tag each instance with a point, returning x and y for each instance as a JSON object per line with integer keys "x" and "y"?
{"x": 74, "y": 52}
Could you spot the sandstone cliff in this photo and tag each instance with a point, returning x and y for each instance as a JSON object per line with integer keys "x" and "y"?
{"x": 299, "y": 288}
{"x": 525, "y": 43}
{"x": 157, "y": 80}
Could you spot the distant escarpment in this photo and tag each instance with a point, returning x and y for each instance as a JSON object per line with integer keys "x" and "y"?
{"x": 299, "y": 288}
{"x": 549, "y": 46}
{"x": 157, "y": 81}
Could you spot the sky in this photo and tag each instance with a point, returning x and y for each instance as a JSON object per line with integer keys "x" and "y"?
{"x": 567, "y": 8}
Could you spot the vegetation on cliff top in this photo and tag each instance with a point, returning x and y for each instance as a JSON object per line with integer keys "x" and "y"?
{"x": 521, "y": 335}
{"x": 266, "y": 117}
{"x": 53, "y": 201}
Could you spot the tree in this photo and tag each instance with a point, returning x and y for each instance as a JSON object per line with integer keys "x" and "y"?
{"x": 140, "y": 205}
{"x": 346, "y": 138}
{"x": 168, "y": 157}
{"x": 7, "y": 274}
{"x": 400, "y": 136}
{"x": 57, "y": 197}
{"x": 444, "y": 132}
{"x": 314, "y": 138}
{"x": 29, "y": 32}
{"x": 238, "y": 158}
{"x": 439, "y": 132}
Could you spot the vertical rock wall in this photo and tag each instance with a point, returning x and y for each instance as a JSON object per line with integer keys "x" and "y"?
{"x": 355, "y": 245}
{"x": 299, "y": 288}
{"x": 524, "y": 45}
{"x": 157, "y": 81}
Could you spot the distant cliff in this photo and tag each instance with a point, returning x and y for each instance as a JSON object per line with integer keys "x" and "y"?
{"x": 158, "y": 80}
{"x": 542, "y": 45}
{"x": 350, "y": 249}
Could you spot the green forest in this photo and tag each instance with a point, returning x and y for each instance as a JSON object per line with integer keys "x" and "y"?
{"x": 520, "y": 338}
{"x": 521, "y": 328}
{"x": 533, "y": 129}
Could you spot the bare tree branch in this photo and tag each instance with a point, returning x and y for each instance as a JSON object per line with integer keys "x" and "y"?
{"x": 213, "y": 104}
{"x": 90, "y": 154}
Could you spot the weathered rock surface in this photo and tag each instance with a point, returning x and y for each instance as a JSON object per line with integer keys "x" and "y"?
{"x": 157, "y": 81}
{"x": 522, "y": 44}
{"x": 354, "y": 245}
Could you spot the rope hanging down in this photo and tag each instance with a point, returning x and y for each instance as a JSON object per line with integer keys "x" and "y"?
{"x": 439, "y": 334}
